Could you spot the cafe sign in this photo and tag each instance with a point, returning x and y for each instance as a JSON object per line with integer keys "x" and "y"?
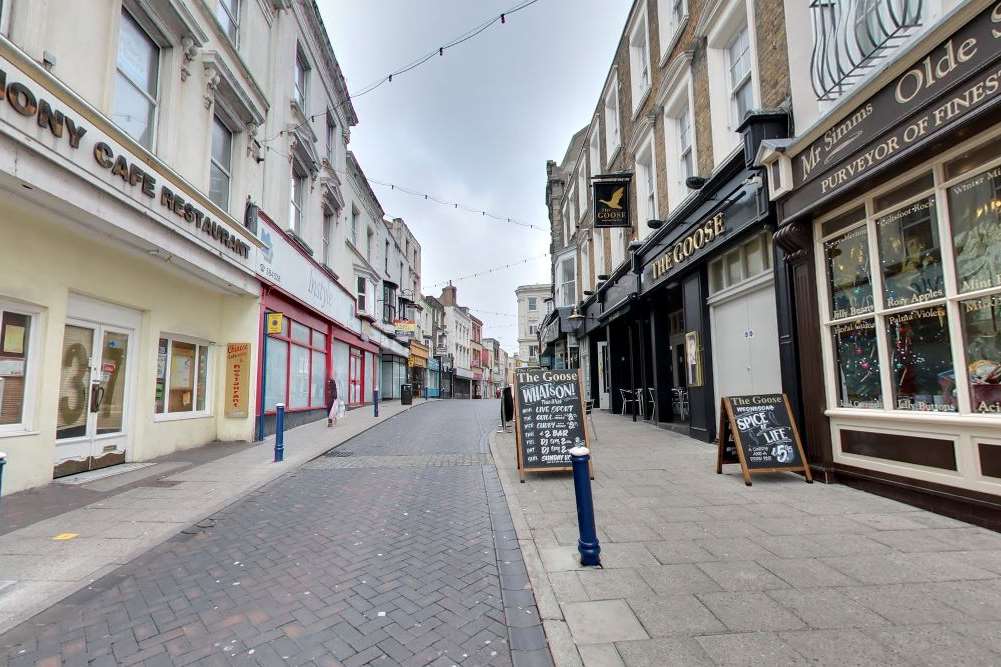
{"x": 39, "y": 113}
{"x": 611, "y": 201}
{"x": 959, "y": 77}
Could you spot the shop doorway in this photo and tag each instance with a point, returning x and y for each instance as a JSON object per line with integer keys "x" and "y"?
{"x": 355, "y": 377}
{"x": 603, "y": 378}
{"x": 95, "y": 393}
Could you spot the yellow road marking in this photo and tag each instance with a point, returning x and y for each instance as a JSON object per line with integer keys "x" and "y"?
{"x": 65, "y": 536}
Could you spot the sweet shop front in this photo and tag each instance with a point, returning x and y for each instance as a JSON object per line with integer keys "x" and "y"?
{"x": 890, "y": 215}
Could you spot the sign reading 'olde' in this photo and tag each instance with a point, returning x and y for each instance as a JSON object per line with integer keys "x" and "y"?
{"x": 611, "y": 201}
{"x": 957, "y": 78}
{"x": 549, "y": 418}
{"x": 760, "y": 434}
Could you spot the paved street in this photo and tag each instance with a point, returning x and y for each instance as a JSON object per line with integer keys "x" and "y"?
{"x": 393, "y": 549}
{"x": 702, "y": 570}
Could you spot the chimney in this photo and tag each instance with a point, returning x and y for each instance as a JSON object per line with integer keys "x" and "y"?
{"x": 448, "y": 295}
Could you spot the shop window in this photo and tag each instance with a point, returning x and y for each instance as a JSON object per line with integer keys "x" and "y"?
{"x": 910, "y": 256}
{"x": 15, "y": 334}
{"x": 296, "y": 368}
{"x": 228, "y": 14}
{"x": 857, "y": 365}
{"x": 220, "y": 164}
{"x": 975, "y": 215}
{"x": 921, "y": 358}
{"x": 848, "y": 276}
{"x": 182, "y": 377}
{"x": 136, "y": 82}
{"x": 982, "y": 347}
{"x": 743, "y": 263}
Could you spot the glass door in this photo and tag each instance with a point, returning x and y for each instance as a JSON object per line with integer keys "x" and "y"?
{"x": 354, "y": 378}
{"x": 93, "y": 397}
{"x": 603, "y": 375}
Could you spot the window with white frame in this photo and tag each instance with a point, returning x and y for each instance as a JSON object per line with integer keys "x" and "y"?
{"x": 618, "y": 245}
{"x": 297, "y": 193}
{"x": 581, "y": 188}
{"x": 220, "y": 164}
{"x": 585, "y": 265}
{"x": 354, "y": 226}
{"x": 183, "y": 377}
{"x": 594, "y": 151}
{"x": 331, "y": 140}
{"x": 566, "y": 220}
{"x": 732, "y": 76}
{"x": 566, "y": 274}
{"x": 362, "y": 294}
{"x": 369, "y": 234}
{"x": 739, "y": 71}
{"x": 911, "y": 296}
{"x": 328, "y": 237}
{"x": 17, "y": 370}
{"x": 136, "y": 82}
{"x": 532, "y": 303}
{"x": 301, "y": 80}
{"x": 671, "y": 17}
{"x": 646, "y": 187}
{"x": 612, "y": 135}
{"x": 599, "y": 253}
{"x": 639, "y": 59}
{"x": 679, "y": 137}
{"x": 228, "y": 14}
{"x": 745, "y": 262}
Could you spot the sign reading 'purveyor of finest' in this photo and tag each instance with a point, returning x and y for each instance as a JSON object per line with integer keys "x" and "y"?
{"x": 549, "y": 417}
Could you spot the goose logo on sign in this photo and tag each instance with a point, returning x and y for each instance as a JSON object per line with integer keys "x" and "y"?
{"x": 611, "y": 201}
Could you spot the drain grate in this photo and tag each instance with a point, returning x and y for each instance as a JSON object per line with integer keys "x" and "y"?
{"x": 338, "y": 453}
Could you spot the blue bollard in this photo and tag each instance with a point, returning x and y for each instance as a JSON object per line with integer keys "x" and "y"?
{"x": 375, "y": 402}
{"x": 279, "y": 433}
{"x": 587, "y": 545}
{"x": 3, "y": 462}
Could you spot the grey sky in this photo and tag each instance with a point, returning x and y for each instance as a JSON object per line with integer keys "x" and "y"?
{"x": 475, "y": 126}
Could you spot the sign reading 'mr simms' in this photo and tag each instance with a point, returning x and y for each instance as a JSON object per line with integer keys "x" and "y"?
{"x": 25, "y": 98}
{"x": 914, "y": 106}
{"x": 611, "y": 201}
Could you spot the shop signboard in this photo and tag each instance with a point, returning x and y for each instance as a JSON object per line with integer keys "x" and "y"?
{"x": 549, "y": 419}
{"x": 611, "y": 200}
{"x": 282, "y": 264}
{"x": 66, "y": 126}
{"x": 957, "y": 78}
{"x": 759, "y": 433}
{"x": 405, "y": 328}
{"x": 237, "y": 380}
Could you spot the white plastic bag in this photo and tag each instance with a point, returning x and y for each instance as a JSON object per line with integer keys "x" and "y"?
{"x": 340, "y": 408}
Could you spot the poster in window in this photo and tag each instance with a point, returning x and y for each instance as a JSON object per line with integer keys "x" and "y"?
{"x": 921, "y": 359}
{"x": 693, "y": 359}
{"x": 910, "y": 254}
{"x": 13, "y": 339}
{"x": 982, "y": 345}
{"x": 848, "y": 275}
{"x": 237, "y": 380}
{"x": 975, "y": 215}
{"x": 857, "y": 365}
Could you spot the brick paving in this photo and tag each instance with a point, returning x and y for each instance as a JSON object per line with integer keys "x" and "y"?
{"x": 395, "y": 549}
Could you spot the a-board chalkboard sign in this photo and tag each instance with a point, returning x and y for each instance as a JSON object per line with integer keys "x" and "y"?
{"x": 549, "y": 418}
{"x": 759, "y": 432}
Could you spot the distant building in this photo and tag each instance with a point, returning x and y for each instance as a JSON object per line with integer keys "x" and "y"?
{"x": 532, "y": 308}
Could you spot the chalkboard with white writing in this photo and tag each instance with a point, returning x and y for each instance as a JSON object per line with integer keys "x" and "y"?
{"x": 549, "y": 418}
{"x": 761, "y": 431}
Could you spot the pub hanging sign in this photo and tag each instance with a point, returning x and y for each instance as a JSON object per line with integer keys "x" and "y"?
{"x": 610, "y": 195}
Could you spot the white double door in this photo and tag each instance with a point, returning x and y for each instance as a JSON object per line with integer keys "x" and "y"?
{"x": 96, "y": 386}
{"x": 745, "y": 342}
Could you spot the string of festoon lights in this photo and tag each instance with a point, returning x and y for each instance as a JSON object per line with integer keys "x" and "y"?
{"x": 495, "y": 269}
{"x": 418, "y": 62}
{"x": 431, "y": 198}
{"x": 493, "y": 312}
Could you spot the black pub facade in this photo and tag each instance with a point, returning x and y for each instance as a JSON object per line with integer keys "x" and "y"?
{"x": 697, "y": 313}
{"x": 890, "y": 222}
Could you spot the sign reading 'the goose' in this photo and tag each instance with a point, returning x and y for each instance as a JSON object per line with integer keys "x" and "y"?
{"x": 610, "y": 195}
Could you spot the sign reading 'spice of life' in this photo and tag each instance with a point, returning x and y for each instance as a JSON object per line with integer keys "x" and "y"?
{"x": 549, "y": 418}
{"x": 759, "y": 432}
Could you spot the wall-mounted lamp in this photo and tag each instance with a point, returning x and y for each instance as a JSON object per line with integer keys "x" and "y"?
{"x": 602, "y": 277}
{"x": 654, "y": 224}
{"x": 695, "y": 182}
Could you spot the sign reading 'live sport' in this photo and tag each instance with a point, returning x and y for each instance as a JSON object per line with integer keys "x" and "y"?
{"x": 611, "y": 201}
{"x": 549, "y": 418}
{"x": 760, "y": 434}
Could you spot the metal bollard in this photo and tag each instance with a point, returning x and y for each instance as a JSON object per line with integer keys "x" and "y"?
{"x": 587, "y": 544}
{"x": 279, "y": 433}
{"x": 375, "y": 402}
{"x": 3, "y": 462}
